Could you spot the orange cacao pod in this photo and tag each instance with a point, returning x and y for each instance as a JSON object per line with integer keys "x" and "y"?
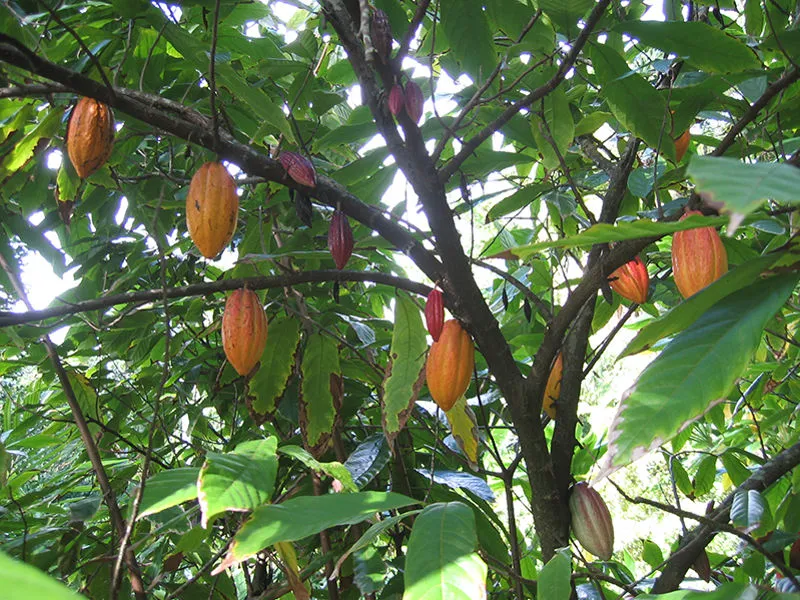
{"x": 631, "y": 281}
{"x": 553, "y": 388}
{"x": 244, "y": 330}
{"x": 682, "y": 145}
{"x": 340, "y": 239}
{"x": 397, "y": 99}
{"x": 90, "y": 136}
{"x": 299, "y": 168}
{"x": 211, "y": 208}
{"x": 414, "y": 101}
{"x": 698, "y": 258}
{"x": 434, "y": 314}
{"x": 449, "y": 366}
{"x": 591, "y": 521}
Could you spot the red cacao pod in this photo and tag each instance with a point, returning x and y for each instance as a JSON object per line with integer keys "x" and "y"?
{"x": 211, "y": 208}
{"x": 631, "y": 281}
{"x": 682, "y": 145}
{"x": 449, "y": 366}
{"x": 414, "y": 101}
{"x": 90, "y": 136}
{"x": 434, "y": 313}
{"x": 591, "y": 521}
{"x": 299, "y": 168}
{"x": 340, "y": 239}
{"x": 397, "y": 100}
{"x": 244, "y": 330}
{"x": 381, "y": 33}
{"x": 698, "y": 258}
{"x": 553, "y": 388}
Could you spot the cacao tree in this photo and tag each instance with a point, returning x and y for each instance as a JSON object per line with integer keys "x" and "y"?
{"x": 344, "y": 167}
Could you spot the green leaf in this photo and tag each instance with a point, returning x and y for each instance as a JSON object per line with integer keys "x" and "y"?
{"x": 441, "y": 562}
{"x": 566, "y": 13}
{"x": 368, "y": 459}
{"x": 705, "y": 475}
{"x": 519, "y": 199}
{"x": 701, "y": 44}
{"x": 651, "y": 554}
{"x": 727, "y": 591}
{"x": 557, "y": 127}
{"x": 554, "y": 579}
{"x": 687, "y": 312}
{"x": 464, "y": 427}
{"x": 744, "y": 187}
{"x": 747, "y": 509}
{"x": 737, "y": 472}
{"x": 465, "y": 26}
{"x": 333, "y": 469}
{"x": 167, "y": 489}
{"x": 624, "y": 230}
{"x": 634, "y": 102}
{"x": 269, "y": 382}
{"x": 240, "y": 480}
{"x": 24, "y": 582}
{"x": 320, "y": 364}
{"x": 405, "y": 371}
{"x": 695, "y": 371}
{"x": 303, "y": 516}
{"x": 24, "y": 149}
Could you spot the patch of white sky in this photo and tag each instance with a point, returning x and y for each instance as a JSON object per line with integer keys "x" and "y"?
{"x": 44, "y": 285}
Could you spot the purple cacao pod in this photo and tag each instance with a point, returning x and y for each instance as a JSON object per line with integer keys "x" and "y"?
{"x": 397, "y": 100}
{"x": 340, "y": 239}
{"x": 591, "y": 521}
{"x": 414, "y": 101}
{"x": 299, "y": 168}
{"x": 434, "y": 314}
{"x": 381, "y": 33}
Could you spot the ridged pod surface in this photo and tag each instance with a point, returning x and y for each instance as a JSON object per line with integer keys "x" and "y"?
{"x": 682, "y": 145}
{"x": 434, "y": 314}
{"x": 698, "y": 258}
{"x": 211, "y": 208}
{"x": 90, "y": 136}
{"x": 591, "y": 521}
{"x": 631, "y": 281}
{"x": 553, "y": 388}
{"x": 449, "y": 366}
{"x": 414, "y": 101}
{"x": 299, "y": 168}
{"x": 244, "y": 330}
{"x": 340, "y": 239}
{"x": 397, "y": 100}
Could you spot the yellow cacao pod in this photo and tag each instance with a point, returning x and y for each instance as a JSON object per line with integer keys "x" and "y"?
{"x": 682, "y": 145}
{"x": 449, "y": 366}
{"x": 90, "y": 136}
{"x": 211, "y": 208}
{"x": 244, "y": 330}
{"x": 698, "y": 258}
{"x": 553, "y": 388}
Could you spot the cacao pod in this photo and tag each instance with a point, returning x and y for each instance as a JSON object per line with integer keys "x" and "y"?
{"x": 244, "y": 330}
{"x": 434, "y": 314}
{"x": 211, "y": 208}
{"x": 702, "y": 566}
{"x": 381, "y": 33}
{"x": 448, "y": 369}
{"x": 397, "y": 99}
{"x": 698, "y": 258}
{"x": 299, "y": 168}
{"x": 90, "y": 136}
{"x": 682, "y": 145}
{"x": 591, "y": 521}
{"x": 414, "y": 101}
{"x": 553, "y": 388}
{"x": 631, "y": 281}
{"x": 340, "y": 239}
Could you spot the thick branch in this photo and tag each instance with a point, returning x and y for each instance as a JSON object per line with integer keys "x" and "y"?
{"x": 204, "y": 289}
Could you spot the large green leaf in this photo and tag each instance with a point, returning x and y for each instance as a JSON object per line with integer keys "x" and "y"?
{"x": 333, "y": 469}
{"x": 405, "y": 370}
{"x": 23, "y": 151}
{"x": 465, "y": 26}
{"x": 167, "y": 489}
{"x": 441, "y": 562}
{"x": 696, "y": 370}
{"x": 320, "y": 365}
{"x": 747, "y": 509}
{"x": 25, "y": 582}
{"x": 554, "y": 580}
{"x": 557, "y": 128}
{"x": 705, "y": 46}
{"x": 634, "y": 102}
{"x": 240, "y": 480}
{"x": 301, "y": 517}
{"x": 269, "y": 382}
{"x": 744, "y": 187}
